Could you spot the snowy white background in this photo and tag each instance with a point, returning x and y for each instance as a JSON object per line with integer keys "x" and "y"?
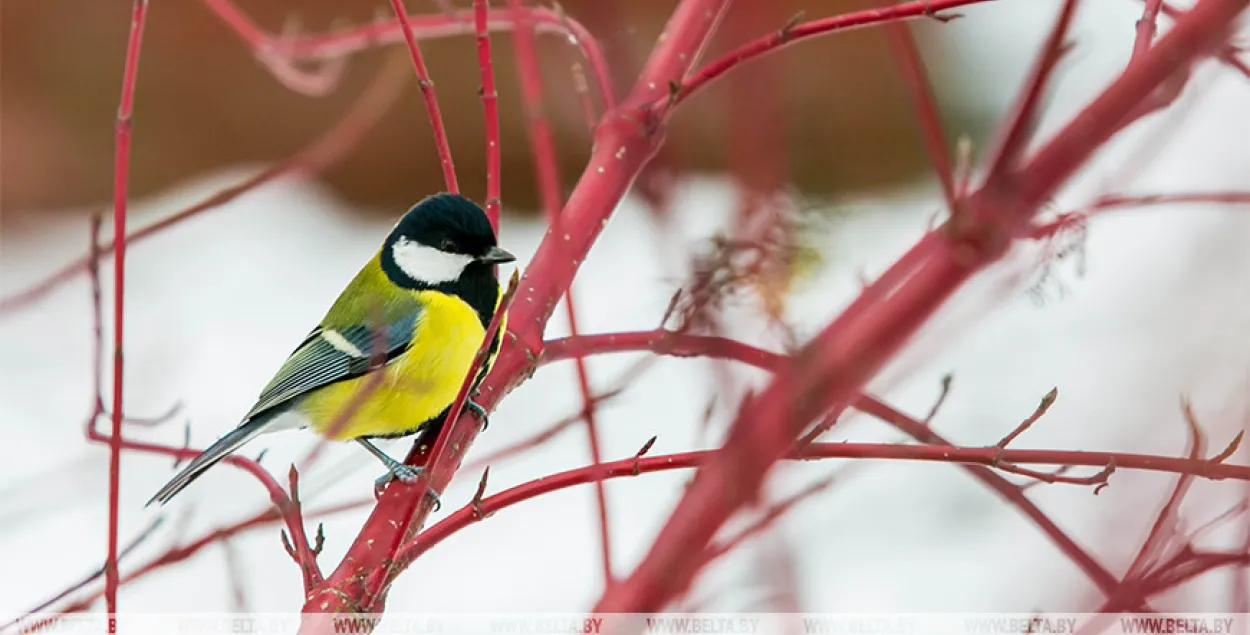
{"x": 216, "y": 303}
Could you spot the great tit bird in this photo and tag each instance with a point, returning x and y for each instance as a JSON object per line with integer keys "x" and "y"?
{"x": 421, "y": 307}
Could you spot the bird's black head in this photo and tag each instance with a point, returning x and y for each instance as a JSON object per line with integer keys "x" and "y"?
{"x": 438, "y": 240}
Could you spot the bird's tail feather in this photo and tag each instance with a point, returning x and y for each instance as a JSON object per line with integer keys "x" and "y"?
{"x": 208, "y": 458}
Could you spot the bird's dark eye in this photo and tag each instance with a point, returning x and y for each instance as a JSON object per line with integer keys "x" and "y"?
{"x": 449, "y": 245}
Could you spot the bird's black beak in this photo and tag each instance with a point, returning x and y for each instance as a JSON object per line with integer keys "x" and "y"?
{"x": 496, "y": 256}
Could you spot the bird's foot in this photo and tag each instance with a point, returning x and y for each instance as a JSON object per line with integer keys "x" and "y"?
{"x": 396, "y": 470}
{"x": 480, "y": 412}
{"x": 406, "y": 474}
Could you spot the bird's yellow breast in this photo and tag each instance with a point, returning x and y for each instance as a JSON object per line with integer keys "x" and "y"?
{"x": 415, "y": 387}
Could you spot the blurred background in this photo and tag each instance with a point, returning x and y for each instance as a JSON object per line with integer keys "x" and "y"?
{"x": 1150, "y": 305}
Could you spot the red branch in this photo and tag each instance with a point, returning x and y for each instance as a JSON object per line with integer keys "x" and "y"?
{"x": 121, "y": 172}
{"x": 431, "y": 100}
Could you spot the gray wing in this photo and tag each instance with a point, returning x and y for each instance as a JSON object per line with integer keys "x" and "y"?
{"x": 330, "y": 355}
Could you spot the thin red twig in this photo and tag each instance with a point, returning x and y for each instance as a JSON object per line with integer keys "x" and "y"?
{"x": 121, "y": 173}
{"x": 431, "y": 100}
{"x": 1198, "y": 33}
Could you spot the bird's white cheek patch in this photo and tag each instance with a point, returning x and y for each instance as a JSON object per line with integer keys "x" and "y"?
{"x": 427, "y": 264}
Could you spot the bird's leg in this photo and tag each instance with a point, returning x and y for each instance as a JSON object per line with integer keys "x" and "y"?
{"x": 478, "y": 410}
{"x": 396, "y": 470}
